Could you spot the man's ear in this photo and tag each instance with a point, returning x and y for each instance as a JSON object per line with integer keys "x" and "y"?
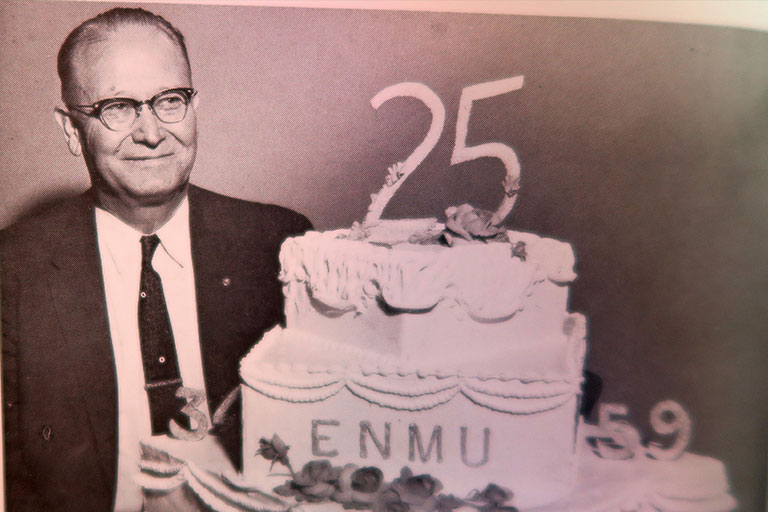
{"x": 71, "y": 132}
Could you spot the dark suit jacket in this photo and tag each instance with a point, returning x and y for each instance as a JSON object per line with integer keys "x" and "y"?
{"x": 59, "y": 384}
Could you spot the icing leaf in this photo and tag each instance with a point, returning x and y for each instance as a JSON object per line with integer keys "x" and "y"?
{"x": 357, "y": 232}
{"x": 492, "y": 499}
{"x": 448, "y": 502}
{"x": 395, "y": 172}
{"x": 492, "y": 494}
{"x": 393, "y": 180}
{"x": 518, "y": 251}
{"x": 511, "y": 185}
{"x": 275, "y": 450}
{"x": 473, "y": 223}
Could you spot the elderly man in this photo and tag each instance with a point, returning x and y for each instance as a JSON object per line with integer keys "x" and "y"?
{"x": 125, "y": 310}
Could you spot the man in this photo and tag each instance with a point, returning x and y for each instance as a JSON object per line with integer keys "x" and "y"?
{"x": 122, "y": 307}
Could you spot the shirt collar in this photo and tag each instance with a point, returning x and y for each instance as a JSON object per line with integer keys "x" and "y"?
{"x": 123, "y": 241}
{"x": 174, "y": 235}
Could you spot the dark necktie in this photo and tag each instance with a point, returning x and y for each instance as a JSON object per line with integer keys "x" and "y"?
{"x": 158, "y": 352}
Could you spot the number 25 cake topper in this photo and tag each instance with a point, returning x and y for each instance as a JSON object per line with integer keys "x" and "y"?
{"x": 400, "y": 171}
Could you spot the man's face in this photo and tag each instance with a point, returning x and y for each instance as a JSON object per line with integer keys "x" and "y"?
{"x": 150, "y": 162}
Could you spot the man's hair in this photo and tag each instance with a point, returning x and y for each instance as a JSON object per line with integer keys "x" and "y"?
{"x": 96, "y": 29}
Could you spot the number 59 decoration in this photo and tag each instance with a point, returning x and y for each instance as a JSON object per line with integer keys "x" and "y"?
{"x": 615, "y": 438}
{"x": 461, "y": 152}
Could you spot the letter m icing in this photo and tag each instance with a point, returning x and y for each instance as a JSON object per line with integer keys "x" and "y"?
{"x": 415, "y": 443}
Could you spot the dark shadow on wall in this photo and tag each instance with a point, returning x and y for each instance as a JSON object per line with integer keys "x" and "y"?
{"x": 42, "y": 202}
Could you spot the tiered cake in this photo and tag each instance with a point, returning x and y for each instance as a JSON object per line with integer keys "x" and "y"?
{"x": 430, "y": 368}
{"x": 414, "y": 377}
{"x": 459, "y": 362}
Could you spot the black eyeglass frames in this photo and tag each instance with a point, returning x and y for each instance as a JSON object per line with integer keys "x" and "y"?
{"x": 117, "y": 114}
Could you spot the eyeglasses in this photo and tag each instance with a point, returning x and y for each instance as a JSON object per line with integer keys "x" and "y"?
{"x": 119, "y": 114}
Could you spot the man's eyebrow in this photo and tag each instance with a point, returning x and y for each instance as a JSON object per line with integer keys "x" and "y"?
{"x": 123, "y": 94}
{"x": 109, "y": 95}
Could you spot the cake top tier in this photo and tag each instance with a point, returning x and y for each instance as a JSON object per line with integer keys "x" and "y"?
{"x": 489, "y": 279}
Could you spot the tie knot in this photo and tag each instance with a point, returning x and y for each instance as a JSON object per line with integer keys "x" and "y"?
{"x": 148, "y": 246}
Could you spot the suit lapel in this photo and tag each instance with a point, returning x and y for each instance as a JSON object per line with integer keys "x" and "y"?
{"x": 219, "y": 312}
{"x": 209, "y": 248}
{"x": 77, "y": 290}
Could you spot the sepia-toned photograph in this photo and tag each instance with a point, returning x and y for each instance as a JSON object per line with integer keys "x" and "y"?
{"x": 272, "y": 258}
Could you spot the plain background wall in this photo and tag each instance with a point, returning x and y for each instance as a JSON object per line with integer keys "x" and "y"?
{"x": 644, "y": 145}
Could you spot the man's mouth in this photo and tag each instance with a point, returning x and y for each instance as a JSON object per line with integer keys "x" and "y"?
{"x": 140, "y": 158}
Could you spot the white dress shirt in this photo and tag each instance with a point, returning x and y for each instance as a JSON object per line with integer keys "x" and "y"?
{"x": 120, "y": 252}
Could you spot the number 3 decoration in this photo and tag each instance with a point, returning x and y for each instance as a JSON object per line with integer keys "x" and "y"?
{"x": 461, "y": 152}
{"x": 194, "y": 398}
{"x": 615, "y": 438}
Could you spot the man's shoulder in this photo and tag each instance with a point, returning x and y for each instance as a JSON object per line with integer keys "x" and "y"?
{"x": 39, "y": 232}
{"x": 245, "y": 217}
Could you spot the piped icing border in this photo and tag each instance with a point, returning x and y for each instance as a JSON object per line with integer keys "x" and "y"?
{"x": 408, "y": 391}
{"x": 516, "y": 398}
{"x": 346, "y": 275}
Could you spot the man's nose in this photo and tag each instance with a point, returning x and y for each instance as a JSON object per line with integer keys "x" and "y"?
{"x": 146, "y": 128}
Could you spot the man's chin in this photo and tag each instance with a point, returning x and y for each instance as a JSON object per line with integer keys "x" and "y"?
{"x": 160, "y": 196}
{"x": 144, "y": 196}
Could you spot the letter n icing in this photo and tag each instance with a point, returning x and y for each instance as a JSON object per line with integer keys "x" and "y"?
{"x": 385, "y": 450}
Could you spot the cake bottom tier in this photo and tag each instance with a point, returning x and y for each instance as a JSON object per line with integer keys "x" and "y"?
{"x": 463, "y": 445}
{"x": 200, "y": 478}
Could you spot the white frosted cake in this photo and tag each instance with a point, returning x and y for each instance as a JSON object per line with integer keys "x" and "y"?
{"x": 416, "y": 377}
{"x": 460, "y": 362}
{"x": 429, "y": 368}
